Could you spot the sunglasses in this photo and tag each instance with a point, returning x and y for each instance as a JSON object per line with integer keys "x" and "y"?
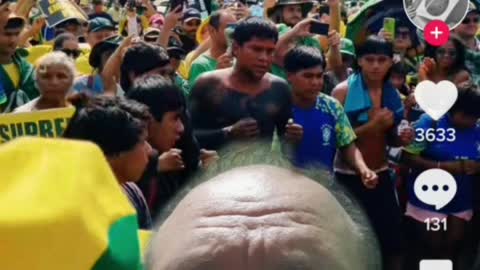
{"x": 443, "y": 52}
{"x": 469, "y": 20}
{"x": 72, "y": 53}
{"x": 193, "y": 22}
{"x": 402, "y": 34}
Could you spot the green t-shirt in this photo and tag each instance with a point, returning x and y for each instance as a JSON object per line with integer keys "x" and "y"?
{"x": 201, "y": 65}
{"x": 182, "y": 84}
{"x": 279, "y": 71}
{"x": 308, "y": 41}
{"x": 472, "y": 61}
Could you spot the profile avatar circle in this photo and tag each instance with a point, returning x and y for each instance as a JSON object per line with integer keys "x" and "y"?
{"x": 422, "y": 12}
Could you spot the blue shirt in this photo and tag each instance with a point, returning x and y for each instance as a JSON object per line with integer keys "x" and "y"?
{"x": 466, "y": 146}
{"x": 325, "y": 128}
{"x": 92, "y": 84}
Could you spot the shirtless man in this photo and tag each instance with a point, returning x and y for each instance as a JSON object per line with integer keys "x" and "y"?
{"x": 245, "y": 101}
{"x": 375, "y": 125}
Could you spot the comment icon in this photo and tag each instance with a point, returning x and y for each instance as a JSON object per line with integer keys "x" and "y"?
{"x": 435, "y": 187}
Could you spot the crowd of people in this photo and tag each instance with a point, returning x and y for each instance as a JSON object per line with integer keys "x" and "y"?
{"x": 243, "y": 140}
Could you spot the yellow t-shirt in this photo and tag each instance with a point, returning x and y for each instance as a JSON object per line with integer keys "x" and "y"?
{"x": 35, "y": 52}
{"x": 83, "y": 66}
{"x": 14, "y": 74}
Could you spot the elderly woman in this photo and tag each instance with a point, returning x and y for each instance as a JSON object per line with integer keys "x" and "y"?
{"x": 54, "y": 78}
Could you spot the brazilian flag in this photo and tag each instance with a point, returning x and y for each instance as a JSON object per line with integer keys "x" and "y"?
{"x": 62, "y": 208}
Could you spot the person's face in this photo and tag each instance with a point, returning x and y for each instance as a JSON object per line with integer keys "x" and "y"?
{"x": 95, "y": 37}
{"x": 165, "y": 71}
{"x": 469, "y": 26}
{"x": 191, "y": 26}
{"x": 255, "y": 56}
{"x": 446, "y": 55}
{"x": 72, "y": 28}
{"x": 134, "y": 162}
{"x": 218, "y": 35}
{"x": 259, "y": 218}
{"x": 54, "y": 81}
{"x": 307, "y": 83}
{"x": 9, "y": 41}
{"x": 463, "y": 121}
{"x": 397, "y": 80}
{"x": 71, "y": 44}
{"x": 165, "y": 134}
{"x": 98, "y": 8}
{"x": 375, "y": 66}
{"x": 292, "y": 14}
{"x": 70, "y": 48}
{"x": 402, "y": 38}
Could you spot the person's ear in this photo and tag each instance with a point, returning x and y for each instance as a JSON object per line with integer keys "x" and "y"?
{"x": 290, "y": 76}
{"x": 235, "y": 48}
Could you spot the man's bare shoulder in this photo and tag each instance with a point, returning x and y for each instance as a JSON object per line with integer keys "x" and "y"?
{"x": 340, "y": 91}
{"x": 274, "y": 78}
{"x": 214, "y": 76}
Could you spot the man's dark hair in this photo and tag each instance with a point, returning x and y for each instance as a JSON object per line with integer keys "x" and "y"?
{"x": 60, "y": 39}
{"x": 303, "y": 57}
{"x": 158, "y": 94}
{"x": 400, "y": 68}
{"x": 139, "y": 59}
{"x": 215, "y": 19}
{"x": 375, "y": 45}
{"x": 254, "y": 27}
{"x": 104, "y": 121}
{"x": 467, "y": 101}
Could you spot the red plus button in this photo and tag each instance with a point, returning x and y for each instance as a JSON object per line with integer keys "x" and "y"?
{"x": 436, "y": 33}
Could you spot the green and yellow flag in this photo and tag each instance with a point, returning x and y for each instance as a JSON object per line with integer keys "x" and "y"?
{"x": 62, "y": 208}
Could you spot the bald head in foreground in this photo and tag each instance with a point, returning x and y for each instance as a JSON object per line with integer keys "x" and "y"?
{"x": 262, "y": 217}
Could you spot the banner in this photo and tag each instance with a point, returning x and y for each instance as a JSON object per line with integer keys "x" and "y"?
{"x": 58, "y": 11}
{"x": 47, "y": 123}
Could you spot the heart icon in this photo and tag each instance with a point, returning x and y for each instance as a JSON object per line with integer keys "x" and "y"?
{"x": 436, "y": 99}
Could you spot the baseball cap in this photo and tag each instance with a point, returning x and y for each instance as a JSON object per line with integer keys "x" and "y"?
{"x": 108, "y": 44}
{"x": 98, "y": 24}
{"x": 176, "y": 52}
{"x": 347, "y": 47}
{"x": 151, "y": 34}
{"x": 15, "y": 21}
{"x": 472, "y": 7}
{"x": 191, "y": 14}
{"x": 85, "y": 223}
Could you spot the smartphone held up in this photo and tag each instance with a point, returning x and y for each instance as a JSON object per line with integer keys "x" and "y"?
{"x": 319, "y": 28}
